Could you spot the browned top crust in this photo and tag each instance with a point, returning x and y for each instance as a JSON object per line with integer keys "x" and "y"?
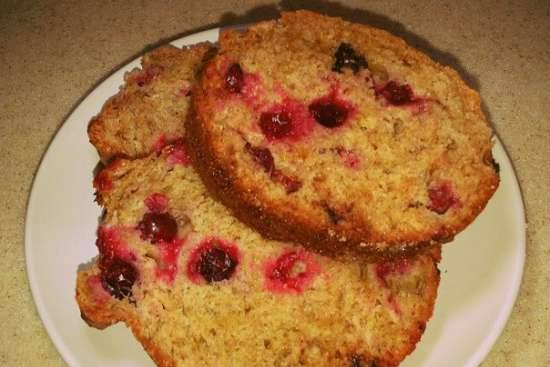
{"x": 338, "y": 313}
{"x": 151, "y": 106}
{"x": 340, "y": 136}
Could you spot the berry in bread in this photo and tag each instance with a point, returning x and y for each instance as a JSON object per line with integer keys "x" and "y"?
{"x": 199, "y": 288}
{"x": 340, "y": 136}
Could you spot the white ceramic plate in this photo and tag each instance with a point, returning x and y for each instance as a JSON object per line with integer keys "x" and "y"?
{"x": 481, "y": 269}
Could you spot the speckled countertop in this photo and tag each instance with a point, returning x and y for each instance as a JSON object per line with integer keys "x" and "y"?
{"x": 53, "y": 52}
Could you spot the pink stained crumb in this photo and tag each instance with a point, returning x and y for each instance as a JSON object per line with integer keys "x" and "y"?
{"x": 196, "y": 258}
{"x": 102, "y": 182}
{"x": 442, "y": 197}
{"x": 253, "y": 91}
{"x": 159, "y": 143}
{"x": 177, "y": 153}
{"x": 291, "y": 272}
{"x": 386, "y": 268}
{"x": 393, "y": 304}
{"x": 144, "y": 77}
{"x": 98, "y": 292}
{"x": 167, "y": 267}
{"x": 157, "y": 202}
{"x": 418, "y": 106}
{"x": 348, "y": 157}
{"x": 111, "y": 245}
{"x": 185, "y": 91}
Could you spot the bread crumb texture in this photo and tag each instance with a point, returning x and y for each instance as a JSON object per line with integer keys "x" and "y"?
{"x": 199, "y": 288}
{"x": 341, "y": 134}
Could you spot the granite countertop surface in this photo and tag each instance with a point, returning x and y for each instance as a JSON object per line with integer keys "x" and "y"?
{"x": 54, "y": 52}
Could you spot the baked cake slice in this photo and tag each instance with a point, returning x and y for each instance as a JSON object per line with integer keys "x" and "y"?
{"x": 199, "y": 288}
{"x": 340, "y": 136}
{"x": 151, "y": 106}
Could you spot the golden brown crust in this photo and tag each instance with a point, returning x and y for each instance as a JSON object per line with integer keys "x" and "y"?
{"x": 103, "y": 311}
{"x": 221, "y": 170}
{"x": 151, "y": 106}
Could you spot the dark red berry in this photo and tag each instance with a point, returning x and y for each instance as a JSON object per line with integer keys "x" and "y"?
{"x": 291, "y": 184}
{"x": 441, "y": 197}
{"x": 213, "y": 260}
{"x": 328, "y": 112}
{"x": 275, "y": 125}
{"x": 118, "y": 277}
{"x": 234, "y": 78}
{"x": 157, "y": 227}
{"x": 216, "y": 265}
{"x": 346, "y": 57}
{"x": 396, "y": 94}
{"x": 262, "y": 156}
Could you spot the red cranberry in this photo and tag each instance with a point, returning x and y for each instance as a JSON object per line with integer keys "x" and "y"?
{"x": 213, "y": 260}
{"x": 396, "y": 94}
{"x": 118, "y": 277}
{"x": 157, "y": 227}
{"x": 347, "y": 57}
{"x": 328, "y": 113}
{"x": 441, "y": 197}
{"x": 276, "y": 125}
{"x": 216, "y": 265}
{"x": 234, "y": 78}
{"x": 262, "y": 156}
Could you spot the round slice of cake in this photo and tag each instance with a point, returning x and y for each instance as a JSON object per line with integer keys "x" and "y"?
{"x": 199, "y": 288}
{"x": 340, "y": 136}
{"x": 150, "y": 108}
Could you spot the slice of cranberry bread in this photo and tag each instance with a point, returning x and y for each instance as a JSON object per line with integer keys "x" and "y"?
{"x": 199, "y": 288}
{"x": 151, "y": 106}
{"x": 340, "y": 136}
